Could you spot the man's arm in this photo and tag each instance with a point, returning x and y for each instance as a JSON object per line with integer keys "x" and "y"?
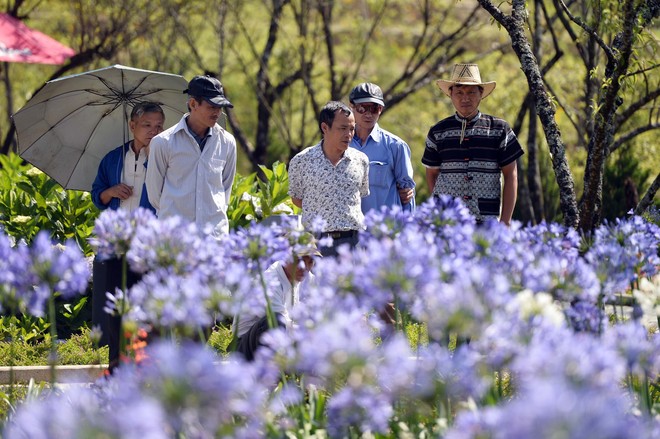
{"x": 431, "y": 177}
{"x": 509, "y": 191}
{"x": 403, "y": 173}
{"x": 229, "y": 172}
{"x": 156, "y": 169}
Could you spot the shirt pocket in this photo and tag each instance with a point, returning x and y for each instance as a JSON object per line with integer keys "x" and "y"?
{"x": 380, "y": 174}
{"x": 216, "y": 167}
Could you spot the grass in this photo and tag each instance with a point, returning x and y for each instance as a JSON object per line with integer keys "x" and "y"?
{"x": 78, "y": 349}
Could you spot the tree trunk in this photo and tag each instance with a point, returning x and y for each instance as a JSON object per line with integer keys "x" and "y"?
{"x": 533, "y": 169}
{"x": 515, "y": 26}
{"x": 591, "y": 206}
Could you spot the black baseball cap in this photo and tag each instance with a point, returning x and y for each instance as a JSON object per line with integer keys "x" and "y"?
{"x": 366, "y": 92}
{"x": 210, "y": 89}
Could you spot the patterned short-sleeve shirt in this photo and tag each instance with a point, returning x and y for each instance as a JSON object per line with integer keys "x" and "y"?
{"x": 331, "y": 192}
{"x": 470, "y": 155}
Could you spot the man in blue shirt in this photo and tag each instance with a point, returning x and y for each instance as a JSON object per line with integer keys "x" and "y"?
{"x": 390, "y": 168}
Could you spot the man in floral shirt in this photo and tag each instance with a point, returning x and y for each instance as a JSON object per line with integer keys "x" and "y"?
{"x": 328, "y": 180}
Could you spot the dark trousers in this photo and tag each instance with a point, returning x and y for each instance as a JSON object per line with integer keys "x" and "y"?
{"x": 106, "y": 278}
{"x": 249, "y": 342}
{"x": 339, "y": 238}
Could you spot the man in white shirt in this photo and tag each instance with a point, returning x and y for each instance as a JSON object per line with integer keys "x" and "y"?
{"x": 192, "y": 164}
{"x": 283, "y": 281}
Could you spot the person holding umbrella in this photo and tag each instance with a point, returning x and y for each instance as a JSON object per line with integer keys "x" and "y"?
{"x": 119, "y": 184}
{"x": 192, "y": 164}
{"x": 121, "y": 175}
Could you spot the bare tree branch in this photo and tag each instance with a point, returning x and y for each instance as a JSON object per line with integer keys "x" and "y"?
{"x": 627, "y": 137}
{"x": 607, "y": 49}
{"x": 647, "y": 199}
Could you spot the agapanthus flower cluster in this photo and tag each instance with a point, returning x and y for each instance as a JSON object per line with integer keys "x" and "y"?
{"x": 31, "y": 275}
{"x": 623, "y": 252}
{"x": 179, "y": 391}
{"x": 114, "y": 230}
{"x": 516, "y": 341}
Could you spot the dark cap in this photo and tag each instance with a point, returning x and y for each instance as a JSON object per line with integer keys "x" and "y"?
{"x": 367, "y": 92}
{"x": 210, "y": 89}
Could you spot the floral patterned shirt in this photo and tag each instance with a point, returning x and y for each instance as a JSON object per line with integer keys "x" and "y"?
{"x": 330, "y": 192}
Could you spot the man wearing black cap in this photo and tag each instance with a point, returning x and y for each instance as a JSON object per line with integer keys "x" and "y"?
{"x": 390, "y": 168}
{"x": 192, "y": 164}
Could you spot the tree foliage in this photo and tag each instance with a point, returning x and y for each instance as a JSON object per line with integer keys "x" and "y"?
{"x": 281, "y": 60}
{"x": 613, "y": 42}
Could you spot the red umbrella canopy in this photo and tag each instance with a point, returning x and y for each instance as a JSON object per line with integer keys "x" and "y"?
{"x": 19, "y": 43}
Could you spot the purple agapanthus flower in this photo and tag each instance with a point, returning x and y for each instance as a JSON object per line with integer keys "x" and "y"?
{"x": 200, "y": 396}
{"x": 173, "y": 244}
{"x": 554, "y": 408}
{"x": 623, "y": 252}
{"x": 78, "y": 413}
{"x": 114, "y": 230}
{"x": 170, "y": 301}
{"x": 49, "y": 269}
{"x": 362, "y": 409}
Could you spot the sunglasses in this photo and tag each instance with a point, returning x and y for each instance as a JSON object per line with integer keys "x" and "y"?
{"x": 372, "y": 108}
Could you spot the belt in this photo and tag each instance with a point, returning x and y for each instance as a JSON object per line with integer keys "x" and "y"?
{"x": 338, "y": 234}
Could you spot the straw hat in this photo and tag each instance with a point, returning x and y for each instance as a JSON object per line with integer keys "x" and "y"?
{"x": 465, "y": 74}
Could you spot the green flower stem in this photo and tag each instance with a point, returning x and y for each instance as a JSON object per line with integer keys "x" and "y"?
{"x": 52, "y": 358}
{"x": 121, "y": 306}
{"x": 270, "y": 315}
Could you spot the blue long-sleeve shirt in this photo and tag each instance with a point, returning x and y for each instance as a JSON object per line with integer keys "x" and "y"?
{"x": 390, "y": 168}
{"x": 109, "y": 174}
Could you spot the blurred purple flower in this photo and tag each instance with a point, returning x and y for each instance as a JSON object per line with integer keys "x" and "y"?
{"x": 48, "y": 269}
{"x": 114, "y": 230}
{"x": 360, "y": 409}
{"x": 586, "y": 317}
{"x": 78, "y": 414}
{"x": 623, "y": 252}
{"x": 551, "y": 409}
{"x": 170, "y": 301}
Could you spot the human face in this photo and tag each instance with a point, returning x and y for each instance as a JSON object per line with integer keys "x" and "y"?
{"x": 466, "y": 99}
{"x": 337, "y": 137}
{"x": 299, "y": 268}
{"x": 204, "y": 114}
{"x": 146, "y": 127}
{"x": 366, "y": 115}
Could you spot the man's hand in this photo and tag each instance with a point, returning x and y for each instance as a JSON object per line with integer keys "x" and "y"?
{"x": 406, "y": 194}
{"x": 121, "y": 191}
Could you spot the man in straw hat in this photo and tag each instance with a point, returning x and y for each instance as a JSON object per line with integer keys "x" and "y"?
{"x": 467, "y": 153}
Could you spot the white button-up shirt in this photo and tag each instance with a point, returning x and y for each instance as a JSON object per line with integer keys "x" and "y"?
{"x": 134, "y": 173}
{"x": 184, "y": 181}
{"x": 282, "y": 296}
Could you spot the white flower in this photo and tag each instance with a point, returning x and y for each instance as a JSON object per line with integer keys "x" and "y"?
{"x": 648, "y": 297}
{"x": 529, "y": 305}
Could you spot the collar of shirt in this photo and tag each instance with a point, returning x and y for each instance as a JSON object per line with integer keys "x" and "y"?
{"x": 468, "y": 121}
{"x": 201, "y": 140}
{"x": 376, "y": 135}
{"x": 183, "y": 126}
{"x": 318, "y": 151}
